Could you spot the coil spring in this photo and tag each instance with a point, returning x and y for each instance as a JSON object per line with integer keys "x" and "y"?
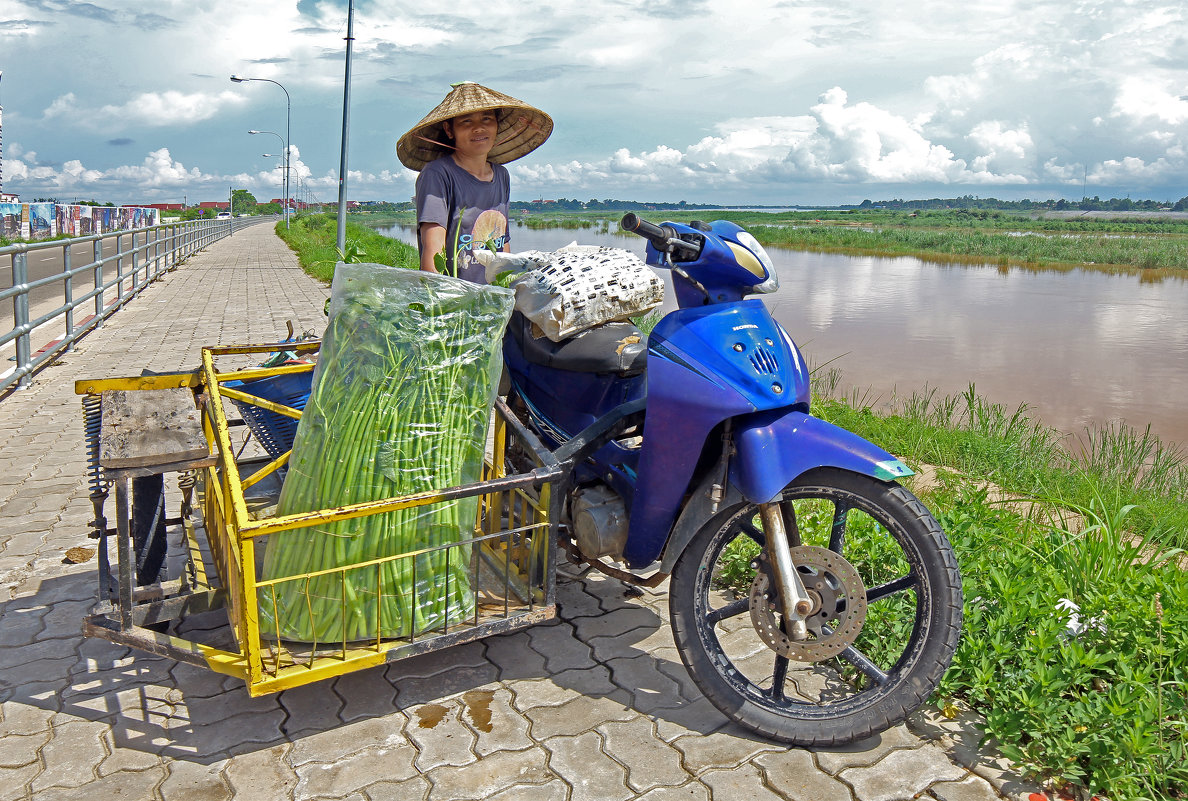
{"x": 91, "y": 420}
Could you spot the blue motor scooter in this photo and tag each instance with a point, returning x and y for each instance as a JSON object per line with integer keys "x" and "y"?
{"x": 813, "y": 599}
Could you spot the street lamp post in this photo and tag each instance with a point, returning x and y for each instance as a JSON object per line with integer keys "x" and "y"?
{"x": 280, "y": 166}
{"x": 288, "y": 111}
{"x": 285, "y": 176}
{"x": 346, "y": 127}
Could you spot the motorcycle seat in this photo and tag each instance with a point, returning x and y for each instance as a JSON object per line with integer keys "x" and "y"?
{"x": 617, "y": 347}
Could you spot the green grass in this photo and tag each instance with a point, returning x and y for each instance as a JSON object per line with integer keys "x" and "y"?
{"x": 982, "y": 219}
{"x": 376, "y": 219}
{"x": 1100, "y": 523}
{"x": 313, "y": 237}
{"x": 969, "y": 434}
{"x": 1098, "y": 702}
{"x": 1109, "y": 250}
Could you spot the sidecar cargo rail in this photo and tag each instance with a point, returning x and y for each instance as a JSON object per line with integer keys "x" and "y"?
{"x": 210, "y": 613}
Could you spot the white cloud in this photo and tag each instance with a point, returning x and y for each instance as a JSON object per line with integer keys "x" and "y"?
{"x": 707, "y": 100}
{"x": 151, "y": 109}
{"x": 1001, "y": 148}
{"x": 836, "y": 142}
{"x": 1128, "y": 171}
{"x": 158, "y": 169}
{"x": 159, "y": 173}
{"x": 1141, "y": 101}
{"x": 63, "y": 106}
{"x": 1060, "y": 173}
{"x": 863, "y": 142}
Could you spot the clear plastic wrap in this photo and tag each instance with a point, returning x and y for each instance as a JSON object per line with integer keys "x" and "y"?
{"x": 401, "y": 400}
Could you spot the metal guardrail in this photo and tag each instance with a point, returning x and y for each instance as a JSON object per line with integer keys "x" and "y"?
{"x": 139, "y": 257}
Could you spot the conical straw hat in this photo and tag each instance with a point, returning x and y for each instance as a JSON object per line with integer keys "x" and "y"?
{"x": 522, "y": 128}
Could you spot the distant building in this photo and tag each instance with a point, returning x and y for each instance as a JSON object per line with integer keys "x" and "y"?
{"x": 163, "y": 206}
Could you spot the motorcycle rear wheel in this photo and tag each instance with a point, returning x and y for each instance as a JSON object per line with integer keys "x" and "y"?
{"x": 909, "y": 627}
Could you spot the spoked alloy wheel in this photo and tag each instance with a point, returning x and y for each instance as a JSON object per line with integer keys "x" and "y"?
{"x": 886, "y": 611}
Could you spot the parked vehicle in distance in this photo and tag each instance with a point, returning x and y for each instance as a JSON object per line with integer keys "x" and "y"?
{"x": 223, "y": 215}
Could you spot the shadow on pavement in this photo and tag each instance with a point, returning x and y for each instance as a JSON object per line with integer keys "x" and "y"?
{"x": 607, "y": 657}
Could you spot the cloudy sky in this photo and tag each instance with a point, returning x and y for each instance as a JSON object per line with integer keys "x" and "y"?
{"x": 730, "y": 101}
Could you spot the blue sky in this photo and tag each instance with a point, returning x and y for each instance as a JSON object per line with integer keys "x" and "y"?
{"x": 732, "y": 101}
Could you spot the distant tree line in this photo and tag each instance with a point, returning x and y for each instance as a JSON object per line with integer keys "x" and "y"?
{"x": 1094, "y": 203}
{"x": 560, "y": 204}
{"x": 607, "y": 204}
{"x": 382, "y": 206}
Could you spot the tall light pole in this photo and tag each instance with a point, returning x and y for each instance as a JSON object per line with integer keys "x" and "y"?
{"x": 288, "y": 110}
{"x": 346, "y": 126}
{"x": 1, "y": 142}
{"x": 285, "y": 177}
{"x": 281, "y": 166}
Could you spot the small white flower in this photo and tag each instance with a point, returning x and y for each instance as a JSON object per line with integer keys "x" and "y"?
{"x": 1075, "y": 627}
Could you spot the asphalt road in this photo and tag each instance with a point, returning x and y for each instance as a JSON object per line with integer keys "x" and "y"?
{"x": 48, "y": 262}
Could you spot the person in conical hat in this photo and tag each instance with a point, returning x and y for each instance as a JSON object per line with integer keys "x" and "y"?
{"x": 463, "y": 189}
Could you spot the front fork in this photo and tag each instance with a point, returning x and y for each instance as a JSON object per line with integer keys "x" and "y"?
{"x": 794, "y": 599}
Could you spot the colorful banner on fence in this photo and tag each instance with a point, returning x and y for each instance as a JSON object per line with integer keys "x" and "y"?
{"x": 43, "y": 220}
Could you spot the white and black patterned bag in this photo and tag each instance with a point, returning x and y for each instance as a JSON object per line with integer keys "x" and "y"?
{"x": 577, "y": 287}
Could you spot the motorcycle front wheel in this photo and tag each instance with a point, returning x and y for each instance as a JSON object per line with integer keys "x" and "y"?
{"x": 886, "y": 615}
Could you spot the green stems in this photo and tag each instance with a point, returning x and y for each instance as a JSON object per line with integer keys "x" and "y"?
{"x": 400, "y": 405}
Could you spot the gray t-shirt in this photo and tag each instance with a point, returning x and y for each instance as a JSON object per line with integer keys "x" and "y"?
{"x": 473, "y": 212}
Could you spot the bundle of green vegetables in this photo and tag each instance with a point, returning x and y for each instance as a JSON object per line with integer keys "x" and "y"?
{"x": 400, "y": 404}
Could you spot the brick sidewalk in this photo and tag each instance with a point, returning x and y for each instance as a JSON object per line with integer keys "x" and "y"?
{"x": 594, "y": 706}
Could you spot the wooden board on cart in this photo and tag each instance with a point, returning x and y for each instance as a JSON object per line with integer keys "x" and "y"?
{"x": 143, "y": 428}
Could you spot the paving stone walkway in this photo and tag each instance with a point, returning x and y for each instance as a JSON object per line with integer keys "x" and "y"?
{"x": 595, "y": 705}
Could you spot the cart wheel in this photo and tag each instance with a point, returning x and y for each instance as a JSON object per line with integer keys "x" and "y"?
{"x": 148, "y": 527}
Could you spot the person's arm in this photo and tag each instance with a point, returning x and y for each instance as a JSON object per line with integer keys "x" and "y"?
{"x": 433, "y": 213}
{"x": 433, "y": 238}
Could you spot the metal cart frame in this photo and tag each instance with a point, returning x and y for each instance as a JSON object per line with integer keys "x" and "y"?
{"x": 510, "y": 558}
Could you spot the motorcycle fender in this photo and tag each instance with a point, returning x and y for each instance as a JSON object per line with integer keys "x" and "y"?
{"x": 773, "y": 449}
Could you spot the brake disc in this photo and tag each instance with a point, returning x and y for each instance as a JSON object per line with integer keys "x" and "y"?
{"x": 839, "y": 606}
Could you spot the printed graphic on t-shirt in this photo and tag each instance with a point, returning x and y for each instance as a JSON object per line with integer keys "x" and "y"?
{"x": 487, "y": 229}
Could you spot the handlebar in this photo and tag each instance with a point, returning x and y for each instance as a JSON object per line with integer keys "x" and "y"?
{"x": 663, "y": 237}
{"x": 638, "y": 225}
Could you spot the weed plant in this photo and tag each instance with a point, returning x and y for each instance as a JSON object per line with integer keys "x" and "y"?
{"x": 1021, "y": 455}
{"x": 1075, "y": 648}
{"x": 313, "y": 237}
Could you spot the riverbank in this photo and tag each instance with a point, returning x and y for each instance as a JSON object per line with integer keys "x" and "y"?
{"x": 1025, "y": 248}
{"x": 1148, "y": 243}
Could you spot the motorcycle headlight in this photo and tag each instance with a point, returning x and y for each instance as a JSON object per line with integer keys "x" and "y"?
{"x": 771, "y": 284}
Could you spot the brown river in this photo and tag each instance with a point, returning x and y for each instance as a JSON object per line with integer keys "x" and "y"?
{"x": 1076, "y": 346}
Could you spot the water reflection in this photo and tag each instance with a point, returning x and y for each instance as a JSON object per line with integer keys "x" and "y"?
{"x": 1076, "y": 345}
